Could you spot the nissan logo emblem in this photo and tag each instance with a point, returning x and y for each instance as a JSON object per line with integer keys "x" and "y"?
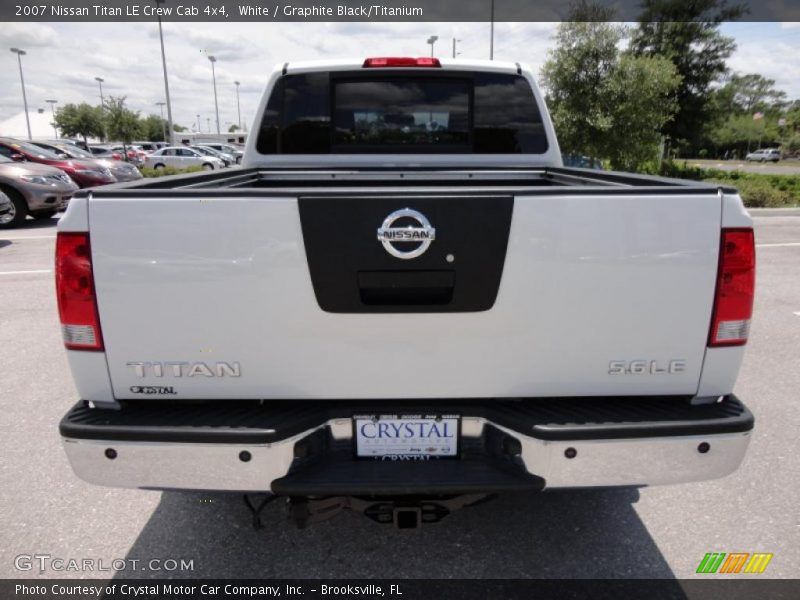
{"x": 421, "y": 234}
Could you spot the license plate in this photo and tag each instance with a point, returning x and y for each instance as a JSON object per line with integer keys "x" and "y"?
{"x": 406, "y": 436}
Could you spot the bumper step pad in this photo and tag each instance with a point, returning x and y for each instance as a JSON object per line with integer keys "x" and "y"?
{"x": 556, "y": 419}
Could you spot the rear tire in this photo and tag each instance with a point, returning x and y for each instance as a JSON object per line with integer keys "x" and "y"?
{"x": 158, "y": 166}
{"x": 208, "y": 166}
{"x": 19, "y": 209}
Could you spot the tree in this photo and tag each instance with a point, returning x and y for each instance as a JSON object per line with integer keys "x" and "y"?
{"x": 751, "y": 92}
{"x": 687, "y": 34}
{"x": 153, "y": 128}
{"x": 734, "y": 130}
{"x": 233, "y": 128}
{"x": 606, "y": 104}
{"x": 122, "y": 124}
{"x": 574, "y": 76}
{"x": 178, "y": 128}
{"x": 640, "y": 101}
{"x": 80, "y": 120}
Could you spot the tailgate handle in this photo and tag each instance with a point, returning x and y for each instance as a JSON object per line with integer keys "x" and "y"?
{"x": 403, "y": 288}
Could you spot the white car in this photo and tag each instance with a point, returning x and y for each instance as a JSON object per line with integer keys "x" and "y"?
{"x": 181, "y": 157}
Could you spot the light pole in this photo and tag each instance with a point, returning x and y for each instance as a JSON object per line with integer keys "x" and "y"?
{"x": 52, "y": 104}
{"x": 198, "y": 123}
{"x": 491, "y": 35}
{"x": 166, "y": 81}
{"x": 20, "y": 53}
{"x": 163, "y": 126}
{"x": 213, "y": 60}
{"x": 100, "y": 81}
{"x": 208, "y": 124}
{"x": 455, "y": 41}
{"x": 238, "y": 108}
{"x": 432, "y": 41}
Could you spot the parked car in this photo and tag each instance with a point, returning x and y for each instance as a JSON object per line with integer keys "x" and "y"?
{"x": 181, "y": 157}
{"x": 34, "y": 189}
{"x": 85, "y": 173}
{"x": 764, "y": 155}
{"x": 228, "y": 159}
{"x": 498, "y": 323}
{"x": 5, "y": 206}
{"x": 129, "y": 153}
{"x": 73, "y": 142}
{"x": 121, "y": 170}
{"x": 237, "y": 153}
{"x": 151, "y": 146}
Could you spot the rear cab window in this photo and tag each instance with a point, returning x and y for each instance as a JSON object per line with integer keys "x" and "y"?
{"x": 396, "y": 112}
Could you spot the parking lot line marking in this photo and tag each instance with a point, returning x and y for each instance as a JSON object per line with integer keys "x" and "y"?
{"x": 26, "y": 272}
{"x": 781, "y": 245}
{"x": 27, "y": 237}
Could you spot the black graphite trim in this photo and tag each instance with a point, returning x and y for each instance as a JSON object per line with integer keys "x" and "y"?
{"x": 250, "y": 422}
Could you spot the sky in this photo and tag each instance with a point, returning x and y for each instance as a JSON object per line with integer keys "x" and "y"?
{"x": 63, "y": 59}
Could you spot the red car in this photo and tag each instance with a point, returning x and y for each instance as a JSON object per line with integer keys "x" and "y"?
{"x": 86, "y": 173}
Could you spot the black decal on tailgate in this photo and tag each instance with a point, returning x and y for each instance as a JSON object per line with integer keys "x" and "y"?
{"x": 352, "y": 270}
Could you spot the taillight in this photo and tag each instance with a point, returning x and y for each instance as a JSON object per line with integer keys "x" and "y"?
{"x": 77, "y": 300}
{"x": 401, "y": 61}
{"x": 736, "y": 280}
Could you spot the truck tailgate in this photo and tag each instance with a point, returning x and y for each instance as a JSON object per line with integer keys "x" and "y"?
{"x": 211, "y": 296}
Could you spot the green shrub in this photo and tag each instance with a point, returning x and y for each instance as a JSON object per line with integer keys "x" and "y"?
{"x": 757, "y": 189}
{"x": 761, "y": 194}
{"x": 163, "y": 172}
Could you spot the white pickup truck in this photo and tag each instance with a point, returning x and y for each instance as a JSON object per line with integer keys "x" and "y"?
{"x": 401, "y": 302}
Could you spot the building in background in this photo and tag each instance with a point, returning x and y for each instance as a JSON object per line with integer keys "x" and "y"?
{"x": 41, "y": 125}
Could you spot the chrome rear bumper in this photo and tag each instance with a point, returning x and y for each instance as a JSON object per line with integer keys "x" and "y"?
{"x": 317, "y": 459}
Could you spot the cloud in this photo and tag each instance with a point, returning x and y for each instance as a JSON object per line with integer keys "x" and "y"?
{"x": 225, "y": 47}
{"x": 28, "y": 35}
{"x": 780, "y": 63}
{"x": 64, "y": 58}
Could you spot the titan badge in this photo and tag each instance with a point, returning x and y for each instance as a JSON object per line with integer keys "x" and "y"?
{"x": 422, "y": 235}
{"x": 186, "y": 369}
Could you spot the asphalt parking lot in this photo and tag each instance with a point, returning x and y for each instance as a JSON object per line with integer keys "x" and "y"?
{"x": 660, "y": 532}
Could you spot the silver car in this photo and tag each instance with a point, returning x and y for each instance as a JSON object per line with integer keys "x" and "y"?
{"x": 224, "y": 157}
{"x": 121, "y": 170}
{"x": 5, "y": 206}
{"x": 182, "y": 157}
{"x": 764, "y": 155}
{"x": 236, "y": 153}
{"x": 34, "y": 189}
